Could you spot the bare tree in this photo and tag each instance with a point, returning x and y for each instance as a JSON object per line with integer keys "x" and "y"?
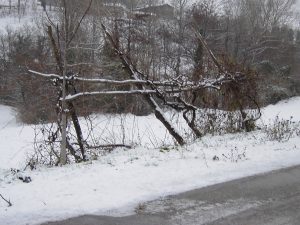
{"x": 70, "y": 24}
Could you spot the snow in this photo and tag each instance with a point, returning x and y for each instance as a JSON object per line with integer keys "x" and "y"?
{"x": 298, "y": 5}
{"x": 7, "y": 117}
{"x": 284, "y": 109}
{"x": 15, "y": 140}
{"x": 116, "y": 183}
{"x": 26, "y": 19}
{"x": 14, "y": 23}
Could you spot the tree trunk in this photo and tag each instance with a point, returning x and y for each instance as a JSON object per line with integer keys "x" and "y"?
{"x": 191, "y": 123}
{"x": 77, "y": 127}
{"x": 153, "y": 104}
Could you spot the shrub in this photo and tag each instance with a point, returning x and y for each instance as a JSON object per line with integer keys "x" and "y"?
{"x": 282, "y": 130}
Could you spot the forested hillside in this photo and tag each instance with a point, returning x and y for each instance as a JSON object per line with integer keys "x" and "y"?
{"x": 159, "y": 39}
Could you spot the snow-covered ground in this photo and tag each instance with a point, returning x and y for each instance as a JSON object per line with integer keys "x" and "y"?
{"x": 11, "y": 23}
{"x": 116, "y": 183}
{"x": 27, "y": 17}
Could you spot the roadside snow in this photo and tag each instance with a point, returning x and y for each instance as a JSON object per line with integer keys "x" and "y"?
{"x": 116, "y": 183}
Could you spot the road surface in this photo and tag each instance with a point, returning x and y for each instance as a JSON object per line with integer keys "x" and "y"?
{"x": 268, "y": 199}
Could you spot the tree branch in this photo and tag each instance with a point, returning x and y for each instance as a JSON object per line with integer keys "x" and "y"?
{"x": 211, "y": 84}
{"x": 79, "y": 23}
{"x": 7, "y": 201}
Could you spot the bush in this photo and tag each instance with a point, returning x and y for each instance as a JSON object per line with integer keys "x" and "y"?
{"x": 282, "y": 130}
{"x": 218, "y": 122}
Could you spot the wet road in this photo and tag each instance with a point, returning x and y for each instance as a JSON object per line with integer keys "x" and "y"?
{"x": 268, "y": 199}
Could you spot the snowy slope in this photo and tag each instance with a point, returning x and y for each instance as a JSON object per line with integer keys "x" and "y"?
{"x": 7, "y": 116}
{"x": 29, "y": 13}
{"x": 14, "y": 23}
{"x": 15, "y": 140}
{"x": 284, "y": 109}
{"x": 116, "y": 183}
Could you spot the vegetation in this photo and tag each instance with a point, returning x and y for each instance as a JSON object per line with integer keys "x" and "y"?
{"x": 215, "y": 63}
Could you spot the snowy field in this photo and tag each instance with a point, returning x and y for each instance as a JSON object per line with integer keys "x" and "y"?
{"x": 30, "y": 13}
{"x": 12, "y": 23}
{"x": 116, "y": 183}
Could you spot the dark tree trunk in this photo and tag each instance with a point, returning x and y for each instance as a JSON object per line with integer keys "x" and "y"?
{"x": 70, "y": 105}
{"x": 78, "y": 129}
{"x": 191, "y": 123}
{"x": 133, "y": 73}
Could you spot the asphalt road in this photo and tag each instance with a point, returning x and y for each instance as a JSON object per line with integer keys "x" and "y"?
{"x": 268, "y": 199}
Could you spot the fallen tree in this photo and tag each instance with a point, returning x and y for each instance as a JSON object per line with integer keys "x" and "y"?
{"x": 172, "y": 93}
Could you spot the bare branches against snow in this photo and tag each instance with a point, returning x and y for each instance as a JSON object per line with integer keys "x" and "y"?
{"x": 172, "y": 87}
{"x": 176, "y": 88}
{"x": 103, "y": 81}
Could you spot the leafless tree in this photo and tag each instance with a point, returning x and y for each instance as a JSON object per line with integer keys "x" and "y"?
{"x": 61, "y": 37}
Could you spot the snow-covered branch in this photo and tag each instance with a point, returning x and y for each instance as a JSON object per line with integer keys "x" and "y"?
{"x": 45, "y": 75}
{"x": 105, "y": 81}
{"x": 80, "y": 64}
{"x": 122, "y": 82}
{"x": 133, "y": 92}
{"x": 206, "y": 84}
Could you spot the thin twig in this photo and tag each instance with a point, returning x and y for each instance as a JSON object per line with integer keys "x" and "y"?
{"x": 112, "y": 146}
{"x": 7, "y": 201}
